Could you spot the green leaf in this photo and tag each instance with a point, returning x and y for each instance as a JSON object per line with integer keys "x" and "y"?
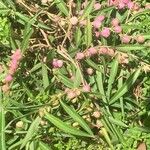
{"x": 117, "y": 122}
{"x": 67, "y": 82}
{"x": 129, "y": 47}
{"x": 125, "y": 88}
{"x": 112, "y": 75}
{"x": 44, "y": 146}
{"x": 70, "y": 111}
{"x": 62, "y": 6}
{"x": 65, "y": 127}
{"x": 30, "y": 133}
{"x": 77, "y": 81}
{"x": 26, "y": 39}
{"x": 2, "y": 128}
{"x": 88, "y": 10}
{"x": 78, "y": 35}
{"x": 45, "y": 76}
{"x": 88, "y": 33}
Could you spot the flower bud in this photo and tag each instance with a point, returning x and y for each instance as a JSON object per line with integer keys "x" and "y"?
{"x": 79, "y": 56}
{"x": 89, "y": 71}
{"x": 19, "y": 124}
{"x": 140, "y": 39}
{"x": 74, "y": 20}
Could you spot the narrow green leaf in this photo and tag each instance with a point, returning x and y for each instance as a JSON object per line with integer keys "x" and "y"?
{"x": 65, "y": 127}
{"x": 44, "y": 146}
{"x": 2, "y": 128}
{"x": 62, "y": 7}
{"x": 112, "y": 75}
{"x": 125, "y": 88}
{"x": 117, "y": 122}
{"x": 78, "y": 35}
{"x": 66, "y": 81}
{"x": 32, "y": 130}
{"x": 77, "y": 81}
{"x": 88, "y": 33}
{"x": 70, "y": 111}
{"x": 26, "y": 39}
{"x": 129, "y": 47}
{"x": 93, "y": 65}
{"x": 88, "y": 10}
{"x": 45, "y": 76}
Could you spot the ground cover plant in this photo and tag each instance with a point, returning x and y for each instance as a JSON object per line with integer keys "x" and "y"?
{"x": 74, "y": 75}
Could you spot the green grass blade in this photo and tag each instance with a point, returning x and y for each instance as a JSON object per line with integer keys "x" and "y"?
{"x": 112, "y": 75}
{"x": 130, "y": 81}
{"x": 45, "y": 76}
{"x": 65, "y": 127}
{"x": 67, "y": 82}
{"x": 117, "y": 122}
{"x": 77, "y": 81}
{"x": 76, "y": 117}
{"x": 88, "y": 33}
{"x": 2, "y": 129}
{"x": 88, "y": 10}
{"x": 44, "y": 146}
{"x": 62, "y": 7}
{"x": 32, "y": 130}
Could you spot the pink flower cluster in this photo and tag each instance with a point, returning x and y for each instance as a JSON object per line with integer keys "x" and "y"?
{"x": 116, "y": 27}
{"x": 93, "y": 51}
{"x": 57, "y": 63}
{"x": 121, "y": 4}
{"x": 13, "y": 66}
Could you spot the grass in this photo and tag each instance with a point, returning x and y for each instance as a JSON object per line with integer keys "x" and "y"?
{"x": 63, "y": 106}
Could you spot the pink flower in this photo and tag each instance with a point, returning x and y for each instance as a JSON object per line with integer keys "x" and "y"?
{"x": 17, "y": 55}
{"x": 96, "y": 24}
{"x": 59, "y": 63}
{"x": 92, "y": 51}
{"x": 125, "y": 39}
{"x": 130, "y": 5}
{"x": 79, "y": 56}
{"x": 105, "y": 32}
{"x": 115, "y": 22}
{"x": 121, "y": 5}
{"x": 125, "y": 1}
{"x": 54, "y": 63}
{"x": 97, "y": 6}
{"x": 117, "y": 29}
{"x": 8, "y": 78}
{"x": 71, "y": 94}
{"x": 86, "y": 88}
{"x": 103, "y": 50}
{"x": 100, "y": 18}
{"x": 97, "y": 34}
